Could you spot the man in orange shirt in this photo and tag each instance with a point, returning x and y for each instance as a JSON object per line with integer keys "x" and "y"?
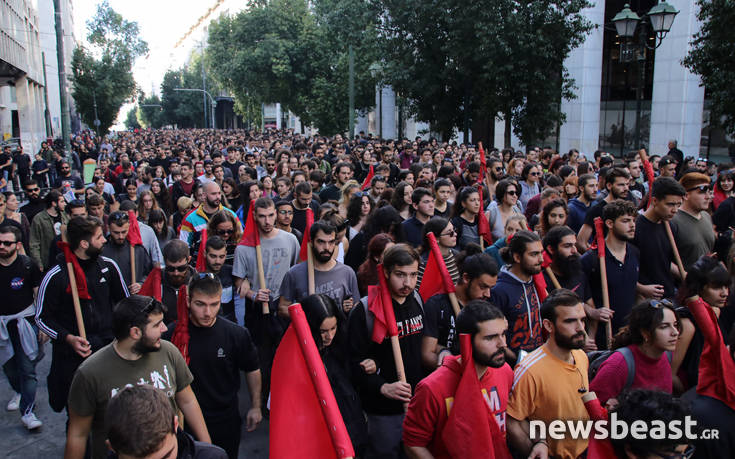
{"x": 549, "y": 382}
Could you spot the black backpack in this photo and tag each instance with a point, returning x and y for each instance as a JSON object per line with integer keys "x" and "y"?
{"x": 597, "y": 358}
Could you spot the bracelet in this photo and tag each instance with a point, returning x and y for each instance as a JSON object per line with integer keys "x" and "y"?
{"x": 542, "y": 440}
{"x": 255, "y": 294}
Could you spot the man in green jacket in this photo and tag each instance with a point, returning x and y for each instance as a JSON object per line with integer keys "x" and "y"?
{"x": 46, "y": 225}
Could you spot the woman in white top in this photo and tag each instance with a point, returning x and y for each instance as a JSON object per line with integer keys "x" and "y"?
{"x": 530, "y": 185}
{"x": 504, "y": 206}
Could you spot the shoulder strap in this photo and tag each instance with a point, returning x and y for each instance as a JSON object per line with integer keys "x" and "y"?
{"x": 418, "y": 299}
{"x": 630, "y": 361}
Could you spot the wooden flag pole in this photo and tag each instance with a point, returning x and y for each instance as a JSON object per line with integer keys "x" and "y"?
{"x": 398, "y": 357}
{"x": 132, "y": 264}
{"x": 553, "y": 278}
{"x": 310, "y": 269}
{"x": 455, "y": 303}
{"x": 75, "y": 293}
{"x": 603, "y": 278}
{"x": 261, "y": 276}
{"x": 677, "y": 257}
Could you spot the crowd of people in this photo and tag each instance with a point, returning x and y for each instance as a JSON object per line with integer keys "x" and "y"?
{"x": 640, "y": 314}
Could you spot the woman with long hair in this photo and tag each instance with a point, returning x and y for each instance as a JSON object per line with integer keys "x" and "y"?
{"x": 160, "y": 191}
{"x": 358, "y": 211}
{"x": 553, "y": 214}
{"x": 570, "y": 189}
{"x": 401, "y": 200}
{"x": 11, "y": 212}
{"x": 724, "y": 188}
{"x": 266, "y": 183}
{"x": 708, "y": 280}
{"x": 328, "y": 327}
{"x": 504, "y": 206}
{"x": 164, "y": 233}
{"x": 383, "y": 220}
{"x": 226, "y": 226}
{"x": 515, "y": 223}
{"x": 446, "y": 239}
{"x": 131, "y": 191}
{"x": 367, "y": 273}
{"x": 515, "y": 168}
{"x": 249, "y": 192}
{"x": 146, "y": 203}
{"x": 466, "y": 210}
{"x": 350, "y": 187}
{"x": 283, "y": 169}
{"x": 649, "y": 339}
{"x": 530, "y": 183}
{"x": 231, "y": 193}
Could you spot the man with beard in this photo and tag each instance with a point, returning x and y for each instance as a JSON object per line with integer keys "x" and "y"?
{"x": 55, "y": 308}
{"x": 549, "y": 382}
{"x": 176, "y": 273}
{"x": 478, "y": 274}
{"x": 117, "y": 248}
{"x": 342, "y": 172}
{"x": 578, "y": 207}
{"x": 215, "y": 256}
{"x": 515, "y": 293}
{"x": 494, "y": 175}
{"x": 428, "y": 411}
{"x": 219, "y": 350}
{"x": 331, "y": 277}
{"x": 35, "y": 204}
{"x": 622, "y": 260}
{"x": 196, "y": 221}
{"x": 284, "y": 218}
{"x": 303, "y": 199}
{"x": 45, "y": 227}
{"x": 616, "y": 184}
{"x": 694, "y": 237}
{"x": 137, "y": 356}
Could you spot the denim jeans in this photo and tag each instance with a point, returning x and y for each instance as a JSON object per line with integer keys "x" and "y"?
{"x": 21, "y": 371}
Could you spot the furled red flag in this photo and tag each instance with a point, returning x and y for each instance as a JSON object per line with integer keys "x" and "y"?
{"x": 540, "y": 283}
{"x": 648, "y": 170}
{"x": 366, "y": 182}
{"x": 303, "y": 254}
{"x": 483, "y": 164}
{"x": 180, "y": 338}
{"x": 483, "y": 224}
{"x": 304, "y": 415}
{"x": 599, "y": 237}
{"x": 134, "y": 231}
{"x": 547, "y": 260}
{"x": 471, "y": 431}
{"x": 78, "y": 272}
{"x": 380, "y": 304}
{"x": 598, "y": 448}
{"x": 152, "y": 284}
{"x": 250, "y": 234}
{"x": 201, "y": 265}
{"x": 436, "y": 277}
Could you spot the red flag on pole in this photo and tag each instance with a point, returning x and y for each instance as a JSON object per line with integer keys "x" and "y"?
{"x": 250, "y": 234}
{"x": 180, "y": 337}
{"x": 540, "y": 283}
{"x": 648, "y": 170}
{"x": 483, "y": 224}
{"x": 366, "y": 182}
{"x": 152, "y": 284}
{"x": 547, "y": 260}
{"x": 134, "y": 231}
{"x": 599, "y": 237}
{"x": 304, "y": 415}
{"x": 436, "y": 277}
{"x": 303, "y": 255}
{"x": 380, "y": 304}
{"x": 483, "y": 164}
{"x": 471, "y": 431}
{"x": 201, "y": 265}
{"x": 78, "y": 272}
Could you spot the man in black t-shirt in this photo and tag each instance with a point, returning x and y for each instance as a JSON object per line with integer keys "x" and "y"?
{"x": 216, "y": 254}
{"x": 617, "y": 182}
{"x": 19, "y": 280}
{"x": 218, "y": 351}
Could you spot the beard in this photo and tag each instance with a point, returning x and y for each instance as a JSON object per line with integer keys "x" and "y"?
{"x": 145, "y": 346}
{"x": 622, "y": 236}
{"x": 570, "y": 342}
{"x": 213, "y": 204}
{"x": 495, "y": 360}
{"x": 569, "y": 266}
{"x": 323, "y": 256}
{"x": 93, "y": 252}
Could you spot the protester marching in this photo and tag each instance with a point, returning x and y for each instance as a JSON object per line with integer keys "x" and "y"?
{"x": 378, "y": 298}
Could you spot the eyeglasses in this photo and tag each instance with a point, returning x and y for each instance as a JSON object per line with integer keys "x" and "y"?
{"x": 451, "y": 233}
{"x": 702, "y": 188}
{"x": 659, "y": 304}
{"x": 688, "y": 453}
{"x": 32, "y": 190}
{"x": 498, "y": 169}
{"x": 225, "y": 232}
{"x": 8, "y": 243}
{"x": 285, "y": 212}
{"x": 179, "y": 269}
{"x": 119, "y": 217}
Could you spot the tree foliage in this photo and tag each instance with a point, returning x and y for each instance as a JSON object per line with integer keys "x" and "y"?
{"x": 102, "y": 71}
{"x": 712, "y": 57}
{"x": 150, "y": 116}
{"x": 185, "y": 109}
{"x": 131, "y": 120}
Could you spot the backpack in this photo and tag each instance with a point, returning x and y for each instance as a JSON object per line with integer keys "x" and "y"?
{"x": 370, "y": 318}
{"x": 597, "y": 358}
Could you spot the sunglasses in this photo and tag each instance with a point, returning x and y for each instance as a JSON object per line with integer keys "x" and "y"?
{"x": 32, "y": 190}
{"x": 535, "y": 174}
{"x": 285, "y": 212}
{"x": 511, "y": 192}
{"x": 8, "y": 243}
{"x": 149, "y": 306}
{"x": 117, "y": 217}
{"x": 701, "y": 188}
{"x": 225, "y": 232}
{"x": 179, "y": 269}
{"x": 660, "y": 304}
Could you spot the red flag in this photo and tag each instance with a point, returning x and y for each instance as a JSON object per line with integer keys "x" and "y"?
{"x": 470, "y": 430}
{"x": 540, "y": 283}
{"x": 78, "y": 272}
{"x": 180, "y": 338}
{"x": 599, "y": 237}
{"x": 303, "y": 255}
{"x": 152, "y": 284}
{"x": 380, "y": 304}
{"x": 483, "y": 224}
{"x": 436, "y": 277}
{"x": 366, "y": 182}
{"x": 483, "y": 165}
{"x": 598, "y": 448}
{"x": 134, "y": 231}
{"x": 201, "y": 265}
{"x": 250, "y": 234}
{"x": 648, "y": 170}
{"x": 304, "y": 413}
{"x": 547, "y": 260}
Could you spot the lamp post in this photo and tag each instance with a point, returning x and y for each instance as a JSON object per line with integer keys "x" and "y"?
{"x": 375, "y": 71}
{"x": 211, "y": 100}
{"x": 661, "y": 18}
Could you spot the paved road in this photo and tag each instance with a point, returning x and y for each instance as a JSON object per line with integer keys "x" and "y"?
{"x": 48, "y": 441}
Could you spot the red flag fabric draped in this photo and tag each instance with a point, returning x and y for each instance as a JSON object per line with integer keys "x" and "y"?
{"x": 547, "y": 260}
{"x": 78, "y": 272}
{"x": 152, "y": 284}
{"x": 648, "y": 170}
{"x": 304, "y": 420}
{"x": 540, "y": 283}
{"x": 250, "y": 234}
{"x": 303, "y": 254}
{"x": 483, "y": 163}
{"x": 470, "y": 430}
{"x": 134, "y": 231}
{"x": 599, "y": 237}
{"x": 366, "y": 182}
{"x": 380, "y": 304}
{"x": 180, "y": 338}
{"x": 436, "y": 277}
{"x": 201, "y": 265}
{"x": 483, "y": 224}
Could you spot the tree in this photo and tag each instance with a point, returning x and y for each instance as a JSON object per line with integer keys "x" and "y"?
{"x": 131, "y": 120}
{"x": 102, "y": 72}
{"x": 712, "y": 57}
{"x": 150, "y": 112}
{"x": 183, "y": 108}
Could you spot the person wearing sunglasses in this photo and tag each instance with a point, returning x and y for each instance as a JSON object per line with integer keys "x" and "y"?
{"x": 35, "y": 204}
{"x": 530, "y": 183}
{"x": 176, "y": 273}
{"x": 117, "y": 248}
{"x": 694, "y": 237}
{"x": 504, "y": 206}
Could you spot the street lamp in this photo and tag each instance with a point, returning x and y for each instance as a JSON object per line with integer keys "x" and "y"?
{"x": 376, "y": 70}
{"x": 661, "y": 18}
{"x": 211, "y": 99}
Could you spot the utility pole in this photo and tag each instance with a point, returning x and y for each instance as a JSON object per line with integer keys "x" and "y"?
{"x": 65, "y": 123}
{"x": 352, "y": 93}
{"x": 46, "y": 113}
{"x": 96, "y": 118}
